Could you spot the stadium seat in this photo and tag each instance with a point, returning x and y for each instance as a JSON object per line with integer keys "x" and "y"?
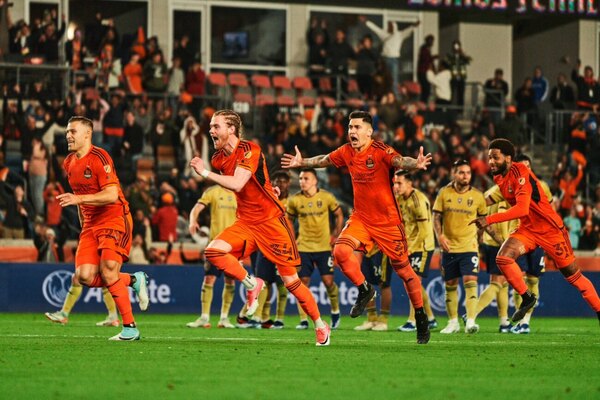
{"x": 264, "y": 100}
{"x": 281, "y": 82}
{"x": 328, "y": 101}
{"x": 412, "y": 88}
{"x": 243, "y": 98}
{"x": 302, "y": 85}
{"x": 285, "y": 101}
{"x": 237, "y": 79}
{"x": 307, "y": 101}
{"x": 217, "y": 83}
{"x": 325, "y": 85}
{"x": 260, "y": 82}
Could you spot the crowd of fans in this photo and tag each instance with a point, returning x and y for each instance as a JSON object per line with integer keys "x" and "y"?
{"x": 115, "y": 91}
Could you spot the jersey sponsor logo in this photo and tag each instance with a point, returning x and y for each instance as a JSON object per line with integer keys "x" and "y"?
{"x": 107, "y": 169}
{"x": 56, "y": 286}
{"x": 389, "y": 150}
{"x": 370, "y": 163}
{"x": 87, "y": 174}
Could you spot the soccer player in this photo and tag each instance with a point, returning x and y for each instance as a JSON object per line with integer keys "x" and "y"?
{"x": 455, "y": 206}
{"x": 312, "y": 207}
{"x": 223, "y": 206}
{"x": 62, "y": 316}
{"x": 267, "y": 271}
{"x": 376, "y": 219}
{"x": 416, "y": 212}
{"x": 261, "y": 223}
{"x": 498, "y": 287}
{"x": 105, "y": 238}
{"x": 539, "y": 225}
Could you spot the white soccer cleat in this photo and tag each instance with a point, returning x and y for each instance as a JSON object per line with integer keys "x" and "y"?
{"x": 471, "y": 327}
{"x": 59, "y": 317}
{"x": 109, "y": 321}
{"x": 199, "y": 323}
{"x": 452, "y": 327}
{"x": 380, "y": 327}
{"x": 224, "y": 323}
{"x": 365, "y": 326}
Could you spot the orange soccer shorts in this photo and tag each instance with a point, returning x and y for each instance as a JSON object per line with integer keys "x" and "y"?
{"x": 391, "y": 239}
{"x": 92, "y": 242}
{"x": 554, "y": 241}
{"x": 274, "y": 238}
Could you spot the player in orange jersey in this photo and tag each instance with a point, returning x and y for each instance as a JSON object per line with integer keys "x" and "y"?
{"x": 376, "y": 219}
{"x": 539, "y": 225}
{"x": 261, "y": 223}
{"x": 105, "y": 238}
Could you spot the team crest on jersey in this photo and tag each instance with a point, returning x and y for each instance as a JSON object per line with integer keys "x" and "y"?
{"x": 319, "y": 204}
{"x": 370, "y": 163}
{"x": 521, "y": 181}
{"x": 310, "y": 204}
{"x": 87, "y": 174}
{"x": 107, "y": 169}
{"x": 248, "y": 154}
{"x": 470, "y": 202}
{"x": 459, "y": 200}
{"x": 389, "y": 150}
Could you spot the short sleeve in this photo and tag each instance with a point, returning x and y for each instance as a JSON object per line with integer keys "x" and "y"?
{"x": 206, "y": 197}
{"x": 291, "y": 206}
{"x": 421, "y": 209}
{"x": 249, "y": 160}
{"x": 439, "y": 201}
{"x": 333, "y": 203}
{"x": 388, "y": 154}
{"x": 482, "y": 208}
{"x": 337, "y": 157}
{"x": 105, "y": 172}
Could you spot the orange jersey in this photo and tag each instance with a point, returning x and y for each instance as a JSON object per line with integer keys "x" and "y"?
{"x": 256, "y": 202}
{"x": 523, "y": 191}
{"x": 89, "y": 175}
{"x": 371, "y": 171}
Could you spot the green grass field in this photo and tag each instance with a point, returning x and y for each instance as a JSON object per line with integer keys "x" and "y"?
{"x": 560, "y": 359}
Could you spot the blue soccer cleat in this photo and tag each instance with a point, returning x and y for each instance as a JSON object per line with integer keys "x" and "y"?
{"x": 335, "y": 320}
{"x": 127, "y": 334}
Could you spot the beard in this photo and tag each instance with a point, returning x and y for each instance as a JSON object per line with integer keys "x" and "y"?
{"x": 501, "y": 169}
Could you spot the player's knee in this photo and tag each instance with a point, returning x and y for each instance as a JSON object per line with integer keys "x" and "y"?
{"x": 214, "y": 256}
{"x": 85, "y": 277}
{"x": 342, "y": 252}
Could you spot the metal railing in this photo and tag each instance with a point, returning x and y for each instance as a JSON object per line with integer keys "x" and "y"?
{"x": 56, "y": 79}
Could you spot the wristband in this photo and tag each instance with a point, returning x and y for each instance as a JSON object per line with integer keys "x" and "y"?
{"x": 205, "y": 173}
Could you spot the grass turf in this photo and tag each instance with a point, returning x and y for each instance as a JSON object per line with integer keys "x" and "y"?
{"x": 39, "y": 359}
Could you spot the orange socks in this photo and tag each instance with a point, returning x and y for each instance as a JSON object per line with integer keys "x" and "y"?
{"x": 305, "y": 299}
{"x": 412, "y": 285}
{"x": 512, "y": 272}
{"x": 120, "y": 294}
{"x": 588, "y": 292}
{"x": 226, "y": 263}
{"x": 343, "y": 254}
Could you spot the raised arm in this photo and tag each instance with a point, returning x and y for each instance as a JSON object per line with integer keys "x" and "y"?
{"x": 409, "y": 163}
{"x": 296, "y": 161}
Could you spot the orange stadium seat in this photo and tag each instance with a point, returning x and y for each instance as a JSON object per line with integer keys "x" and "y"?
{"x": 264, "y": 100}
{"x": 281, "y": 82}
{"x": 260, "y": 81}
{"x": 237, "y": 79}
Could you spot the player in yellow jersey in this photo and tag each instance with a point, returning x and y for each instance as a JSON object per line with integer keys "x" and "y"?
{"x": 223, "y": 206}
{"x": 532, "y": 264}
{"x": 312, "y": 207}
{"x": 498, "y": 287}
{"x": 456, "y": 205}
{"x": 267, "y": 271}
{"x": 416, "y": 213}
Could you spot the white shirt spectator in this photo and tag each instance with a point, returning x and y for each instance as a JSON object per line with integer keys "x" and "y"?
{"x": 392, "y": 42}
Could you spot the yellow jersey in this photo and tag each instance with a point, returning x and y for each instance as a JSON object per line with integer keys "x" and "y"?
{"x": 458, "y": 210}
{"x": 313, "y": 219}
{"x": 502, "y": 229}
{"x": 416, "y": 214}
{"x": 223, "y": 206}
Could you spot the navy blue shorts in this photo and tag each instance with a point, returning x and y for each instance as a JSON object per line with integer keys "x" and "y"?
{"x": 377, "y": 269}
{"x": 533, "y": 263}
{"x": 266, "y": 270}
{"x": 420, "y": 261}
{"x": 455, "y": 265}
{"x": 320, "y": 259}
{"x": 489, "y": 253}
{"x": 210, "y": 269}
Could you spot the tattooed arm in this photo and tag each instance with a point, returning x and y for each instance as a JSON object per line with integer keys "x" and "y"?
{"x": 409, "y": 163}
{"x": 296, "y": 161}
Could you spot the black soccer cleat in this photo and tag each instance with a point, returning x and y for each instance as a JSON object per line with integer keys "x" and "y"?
{"x": 527, "y": 304}
{"x": 422, "y": 323}
{"x": 366, "y": 293}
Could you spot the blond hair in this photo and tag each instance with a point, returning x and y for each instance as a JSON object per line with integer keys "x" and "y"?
{"x": 232, "y": 119}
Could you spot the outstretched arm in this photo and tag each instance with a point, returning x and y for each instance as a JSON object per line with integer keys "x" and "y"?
{"x": 409, "y": 163}
{"x": 296, "y": 161}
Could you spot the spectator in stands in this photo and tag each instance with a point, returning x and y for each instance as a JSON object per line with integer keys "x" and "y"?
{"x": 75, "y": 51}
{"x": 48, "y": 41}
{"x": 53, "y": 208}
{"x": 94, "y": 33}
{"x": 458, "y": 60}
{"x": 188, "y": 141}
{"x": 318, "y": 43}
{"x": 5, "y": 25}
{"x": 588, "y": 89}
{"x": 133, "y": 139}
{"x": 338, "y": 55}
{"x": 195, "y": 80}
{"x": 137, "y": 255}
{"x": 366, "y": 66}
{"x": 155, "y": 74}
{"x": 525, "y": 99}
{"x": 109, "y": 68}
{"x": 496, "y": 90}
{"x": 165, "y": 133}
{"x": 142, "y": 117}
{"x": 38, "y": 174}
{"x": 184, "y": 53}
{"x": 562, "y": 95}
{"x": 440, "y": 82}
{"x": 19, "y": 212}
{"x": 96, "y": 110}
{"x": 573, "y": 225}
{"x": 113, "y": 122}
{"x": 580, "y": 124}
{"x": 165, "y": 218}
{"x": 512, "y": 127}
{"x": 176, "y": 83}
{"x": 424, "y": 64}
{"x": 389, "y": 110}
{"x": 392, "y": 45}
{"x": 568, "y": 185}
{"x": 133, "y": 75}
{"x": 22, "y": 43}
{"x": 50, "y": 250}
{"x": 540, "y": 85}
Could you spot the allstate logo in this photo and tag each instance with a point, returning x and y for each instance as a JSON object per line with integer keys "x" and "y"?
{"x": 56, "y": 286}
{"x": 436, "y": 290}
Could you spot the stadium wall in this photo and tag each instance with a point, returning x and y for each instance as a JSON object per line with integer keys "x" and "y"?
{"x": 175, "y": 289}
